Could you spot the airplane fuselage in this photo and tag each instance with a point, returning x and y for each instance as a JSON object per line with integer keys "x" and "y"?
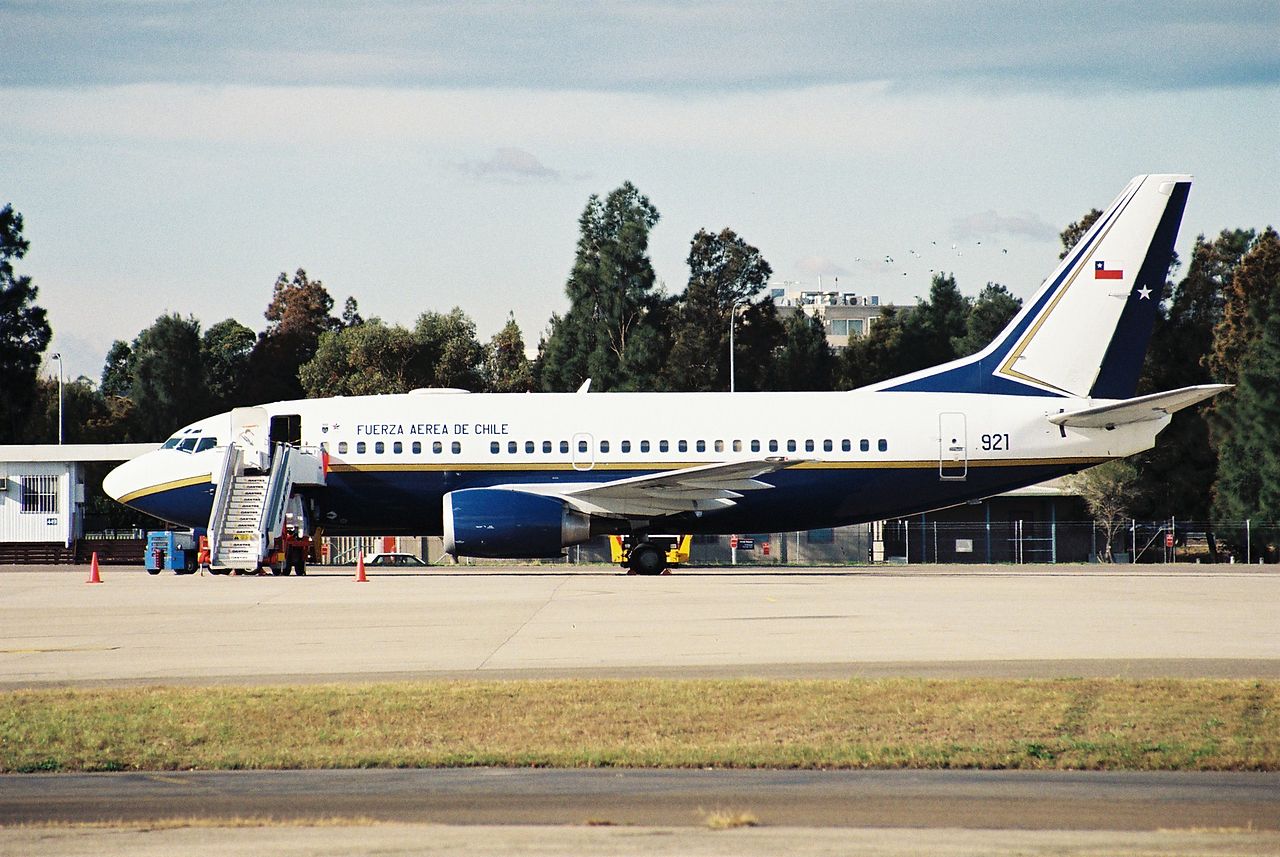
{"x": 860, "y": 455}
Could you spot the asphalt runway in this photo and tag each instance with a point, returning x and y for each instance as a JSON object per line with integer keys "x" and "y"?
{"x": 950, "y": 621}
{"x": 1028, "y": 800}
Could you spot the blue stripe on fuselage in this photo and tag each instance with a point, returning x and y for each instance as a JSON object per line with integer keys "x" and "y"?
{"x": 188, "y": 506}
{"x": 408, "y": 502}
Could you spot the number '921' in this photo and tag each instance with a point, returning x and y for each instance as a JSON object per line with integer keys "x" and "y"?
{"x": 995, "y": 442}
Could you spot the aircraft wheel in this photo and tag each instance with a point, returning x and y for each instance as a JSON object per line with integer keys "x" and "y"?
{"x": 648, "y": 559}
{"x": 295, "y": 560}
{"x": 153, "y": 571}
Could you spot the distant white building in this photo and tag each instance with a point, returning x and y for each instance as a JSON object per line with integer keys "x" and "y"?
{"x": 845, "y": 315}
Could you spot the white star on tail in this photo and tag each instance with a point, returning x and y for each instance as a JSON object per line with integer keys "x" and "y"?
{"x": 1144, "y": 294}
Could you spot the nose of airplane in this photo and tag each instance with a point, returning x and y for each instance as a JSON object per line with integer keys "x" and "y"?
{"x": 125, "y": 480}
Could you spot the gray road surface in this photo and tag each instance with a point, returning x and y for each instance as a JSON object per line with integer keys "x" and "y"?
{"x": 1033, "y": 800}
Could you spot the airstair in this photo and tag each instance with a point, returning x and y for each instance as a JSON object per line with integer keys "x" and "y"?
{"x": 249, "y": 506}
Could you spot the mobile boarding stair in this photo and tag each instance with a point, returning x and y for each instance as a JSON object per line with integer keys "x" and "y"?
{"x": 250, "y": 504}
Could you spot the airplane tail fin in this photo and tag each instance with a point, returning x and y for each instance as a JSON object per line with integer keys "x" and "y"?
{"x": 1085, "y": 332}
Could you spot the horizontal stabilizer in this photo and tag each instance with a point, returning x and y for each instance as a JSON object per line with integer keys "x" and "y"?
{"x": 1138, "y": 410}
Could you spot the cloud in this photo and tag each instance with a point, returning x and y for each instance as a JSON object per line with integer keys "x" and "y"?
{"x": 821, "y": 266}
{"x": 508, "y": 164}
{"x": 298, "y": 117}
{"x": 990, "y": 224}
{"x": 655, "y": 46}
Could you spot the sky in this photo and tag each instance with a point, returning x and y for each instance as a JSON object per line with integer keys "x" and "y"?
{"x": 172, "y": 156}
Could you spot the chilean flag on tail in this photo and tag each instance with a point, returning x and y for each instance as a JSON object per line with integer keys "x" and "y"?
{"x": 1100, "y": 272}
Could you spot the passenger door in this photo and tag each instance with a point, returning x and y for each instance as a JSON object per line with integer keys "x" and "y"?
{"x": 251, "y": 431}
{"x": 286, "y": 428}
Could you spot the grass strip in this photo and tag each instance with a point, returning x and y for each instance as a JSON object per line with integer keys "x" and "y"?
{"x": 1116, "y": 724}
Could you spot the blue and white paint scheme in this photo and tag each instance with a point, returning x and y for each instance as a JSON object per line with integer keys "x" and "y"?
{"x": 520, "y": 475}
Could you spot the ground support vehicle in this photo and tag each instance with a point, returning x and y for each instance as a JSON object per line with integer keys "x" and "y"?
{"x": 175, "y": 550}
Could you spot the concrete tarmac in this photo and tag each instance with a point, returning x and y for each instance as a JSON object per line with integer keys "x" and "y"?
{"x": 956, "y": 621}
{"x": 406, "y": 840}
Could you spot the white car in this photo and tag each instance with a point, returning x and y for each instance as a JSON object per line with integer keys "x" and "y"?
{"x": 397, "y": 560}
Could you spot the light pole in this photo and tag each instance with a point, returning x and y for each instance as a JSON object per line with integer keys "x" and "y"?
{"x": 58, "y": 357}
{"x": 733, "y": 314}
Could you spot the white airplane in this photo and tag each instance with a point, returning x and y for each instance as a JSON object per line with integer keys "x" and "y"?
{"x": 525, "y": 475}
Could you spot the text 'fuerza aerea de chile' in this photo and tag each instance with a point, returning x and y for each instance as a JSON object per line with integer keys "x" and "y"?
{"x": 431, "y": 428}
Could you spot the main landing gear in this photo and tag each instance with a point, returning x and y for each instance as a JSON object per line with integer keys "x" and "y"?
{"x": 646, "y": 558}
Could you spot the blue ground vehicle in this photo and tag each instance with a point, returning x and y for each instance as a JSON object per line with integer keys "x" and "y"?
{"x": 173, "y": 550}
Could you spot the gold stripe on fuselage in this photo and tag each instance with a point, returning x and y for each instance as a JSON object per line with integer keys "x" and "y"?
{"x": 166, "y": 486}
{"x": 684, "y": 465}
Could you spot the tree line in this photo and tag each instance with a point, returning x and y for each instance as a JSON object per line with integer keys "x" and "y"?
{"x": 1219, "y": 322}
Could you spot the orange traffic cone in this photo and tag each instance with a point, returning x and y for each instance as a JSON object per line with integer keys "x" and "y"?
{"x": 94, "y": 575}
{"x": 360, "y": 576}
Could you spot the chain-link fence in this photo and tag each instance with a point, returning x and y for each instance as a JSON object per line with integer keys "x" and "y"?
{"x": 921, "y": 540}
{"x": 1017, "y": 541}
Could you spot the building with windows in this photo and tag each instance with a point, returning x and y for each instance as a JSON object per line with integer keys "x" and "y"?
{"x": 845, "y": 315}
{"x": 42, "y": 491}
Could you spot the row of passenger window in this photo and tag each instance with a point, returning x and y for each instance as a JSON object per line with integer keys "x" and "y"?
{"x": 846, "y": 445}
{"x": 530, "y": 447}
{"x": 380, "y": 447}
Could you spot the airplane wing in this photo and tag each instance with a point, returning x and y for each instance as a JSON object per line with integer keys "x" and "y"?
{"x": 1137, "y": 410}
{"x": 691, "y": 489}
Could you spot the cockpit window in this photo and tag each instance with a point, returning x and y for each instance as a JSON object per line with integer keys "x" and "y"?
{"x": 171, "y": 443}
{"x": 206, "y": 443}
{"x": 188, "y": 444}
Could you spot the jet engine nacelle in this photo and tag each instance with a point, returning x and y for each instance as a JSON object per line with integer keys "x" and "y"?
{"x": 510, "y": 524}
